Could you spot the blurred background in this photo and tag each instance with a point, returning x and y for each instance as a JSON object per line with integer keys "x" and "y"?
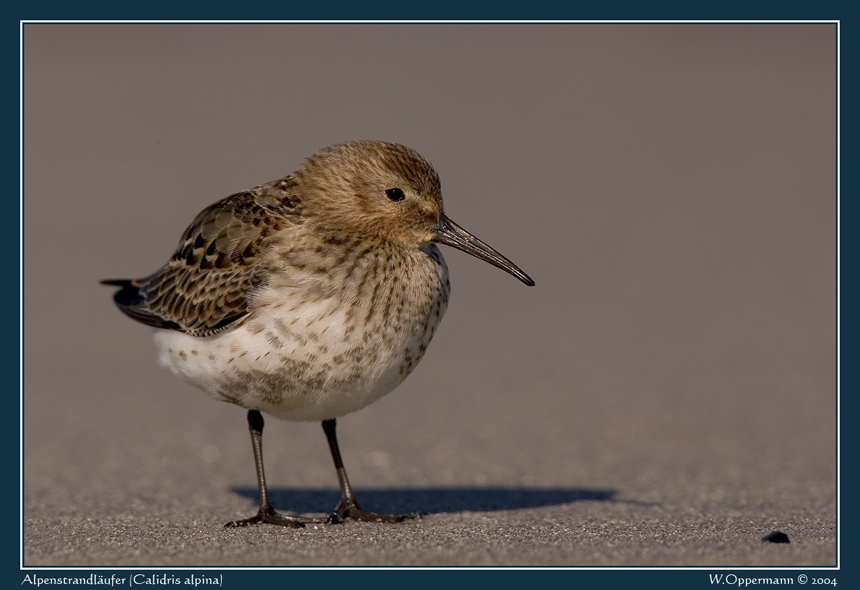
{"x": 671, "y": 189}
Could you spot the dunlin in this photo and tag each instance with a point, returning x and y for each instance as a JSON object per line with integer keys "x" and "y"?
{"x": 309, "y": 297}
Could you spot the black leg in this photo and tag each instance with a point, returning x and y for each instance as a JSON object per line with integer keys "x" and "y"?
{"x": 266, "y": 514}
{"x": 348, "y": 507}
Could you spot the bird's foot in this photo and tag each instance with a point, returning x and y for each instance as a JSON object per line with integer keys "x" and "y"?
{"x": 353, "y": 511}
{"x": 267, "y": 516}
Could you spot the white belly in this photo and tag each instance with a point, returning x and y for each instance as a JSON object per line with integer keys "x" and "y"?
{"x": 304, "y": 354}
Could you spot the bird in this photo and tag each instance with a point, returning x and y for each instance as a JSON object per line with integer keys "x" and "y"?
{"x": 309, "y": 297}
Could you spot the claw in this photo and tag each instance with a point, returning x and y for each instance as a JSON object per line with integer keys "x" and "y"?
{"x": 267, "y": 517}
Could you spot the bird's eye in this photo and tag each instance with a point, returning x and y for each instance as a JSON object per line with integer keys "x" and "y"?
{"x": 395, "y": 194}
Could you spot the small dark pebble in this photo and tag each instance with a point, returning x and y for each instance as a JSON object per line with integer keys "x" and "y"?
{"x": 776, "y": 537}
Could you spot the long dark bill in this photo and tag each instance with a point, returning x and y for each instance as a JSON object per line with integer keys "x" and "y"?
{"x": 451, "y": 234}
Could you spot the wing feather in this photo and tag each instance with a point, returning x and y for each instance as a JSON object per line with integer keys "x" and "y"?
{"x": 219, "y": 262}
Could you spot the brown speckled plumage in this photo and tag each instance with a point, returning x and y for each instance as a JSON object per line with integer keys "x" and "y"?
{"x": 219, "y": 262}
{"x": 311, "y": 296}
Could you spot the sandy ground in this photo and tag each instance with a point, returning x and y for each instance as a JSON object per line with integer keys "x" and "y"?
{"x": 665, "y": 395}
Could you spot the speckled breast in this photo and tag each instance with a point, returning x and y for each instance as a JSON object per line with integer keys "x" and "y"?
{"x": 317, "y": 343}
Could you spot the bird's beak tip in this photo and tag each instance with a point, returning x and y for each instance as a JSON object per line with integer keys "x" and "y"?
{"x": 451, "y": 234}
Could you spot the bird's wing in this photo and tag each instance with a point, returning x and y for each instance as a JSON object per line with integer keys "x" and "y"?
{"x": 206, "y": 284}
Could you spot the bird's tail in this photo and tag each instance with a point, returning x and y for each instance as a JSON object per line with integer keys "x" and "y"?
{"x": 132, "y": 301}
{"x": 129, "y": 293}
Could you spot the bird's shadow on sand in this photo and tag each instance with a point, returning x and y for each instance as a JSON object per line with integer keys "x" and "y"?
{"x": 429, "y": 500}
